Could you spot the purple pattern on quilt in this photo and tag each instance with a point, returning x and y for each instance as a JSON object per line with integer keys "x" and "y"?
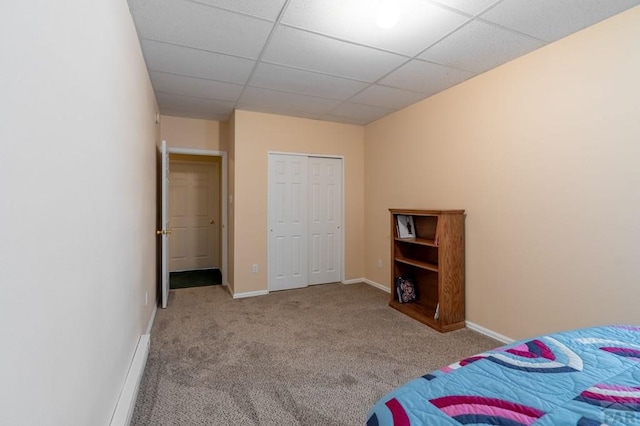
{"x": 616, "y": 397}
{"x": 477, "y": 409}
{"x": 630, "y": 353}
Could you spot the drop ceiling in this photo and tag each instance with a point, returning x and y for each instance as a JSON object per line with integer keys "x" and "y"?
{"x": 328, "y": 59}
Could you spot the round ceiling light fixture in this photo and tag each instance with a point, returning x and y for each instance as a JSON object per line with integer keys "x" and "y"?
{"x": 387, "y": 14}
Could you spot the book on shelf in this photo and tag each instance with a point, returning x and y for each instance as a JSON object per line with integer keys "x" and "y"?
{"x": 436, "y": 315}
{"x": 405, "y": 226}
{"x": 406, "y": 290}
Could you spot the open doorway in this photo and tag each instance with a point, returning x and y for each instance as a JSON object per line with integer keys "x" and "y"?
{"x": 197, "y": 218}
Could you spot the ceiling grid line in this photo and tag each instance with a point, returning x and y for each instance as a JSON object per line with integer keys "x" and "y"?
{"x": 326, "y": 59}
{"x": 264, "y": 48}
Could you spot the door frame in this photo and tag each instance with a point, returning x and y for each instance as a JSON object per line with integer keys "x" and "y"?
{"x": 342, "y": 238}
{"x": 223, "y": 199}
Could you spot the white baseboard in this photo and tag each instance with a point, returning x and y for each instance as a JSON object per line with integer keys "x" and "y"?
{"x": 490, "y": 333}
{"x": 471, "y": 325}
{"x": 228, "y": 288}
{"x": 353, "y": 281}
{"x": 152, "y": 319}
{"x": 250, "y": 294}
{"x": 127, "y": 401}
{"x": 377, "y": 285}
{"x": 367, "y": 281}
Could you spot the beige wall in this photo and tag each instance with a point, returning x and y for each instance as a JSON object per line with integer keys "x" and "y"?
{"x": 194, "y": 133}
{"x": 543, "y": 154}
{"x": 255, "y": 135}
{"x": 78, "y": 181}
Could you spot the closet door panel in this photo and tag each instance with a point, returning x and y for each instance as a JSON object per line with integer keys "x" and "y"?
{"x": 325, "y": 227}
{"x": 288, "y": 235}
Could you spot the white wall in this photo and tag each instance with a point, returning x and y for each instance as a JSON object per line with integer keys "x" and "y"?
{"x": 77, "y": 186}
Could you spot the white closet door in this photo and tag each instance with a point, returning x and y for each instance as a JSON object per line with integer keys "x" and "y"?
{"x": 325, "y": 219}
{"x": 288, "y": 228}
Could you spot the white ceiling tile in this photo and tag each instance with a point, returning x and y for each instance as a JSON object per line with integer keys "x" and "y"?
{"x": 359, "y": 112}
{"x": 478, "y": 47}
{"x": 195, "y": 63}
{"x": 551, "y": 20}
{"x": 304, "y": 82}
{"x": 387, "y": 97}
{"x": 420, "y": 23}
{"x": 192, "y": 105}
{"x": 203, "y": 27}
{"x": 261, "y": 9}
{"x": 257, "y": 97}
{"x": 200, "y": 53}
{"x": 313, "y": 52}
{"x": 469, "y": 6}
{"x": 189, "y": 86}
{"x": 425, "y": 77}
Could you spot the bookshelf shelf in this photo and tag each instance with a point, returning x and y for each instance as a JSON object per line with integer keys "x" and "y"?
{"x": 418, "y": 264}
{"x": 419, "y": 241}
{"x": 433, "y": 260}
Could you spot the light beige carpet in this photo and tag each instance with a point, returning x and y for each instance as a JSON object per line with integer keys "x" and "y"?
{"x": 316, "y": 356}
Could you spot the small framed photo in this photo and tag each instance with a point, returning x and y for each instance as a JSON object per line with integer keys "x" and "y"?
{"x": 406, "y": 228}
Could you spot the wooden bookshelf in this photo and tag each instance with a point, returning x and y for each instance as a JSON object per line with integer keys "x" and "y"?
{"x": 434, "y": 261}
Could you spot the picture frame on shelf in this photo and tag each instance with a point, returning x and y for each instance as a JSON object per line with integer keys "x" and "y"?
{"x": 405, "y": 225}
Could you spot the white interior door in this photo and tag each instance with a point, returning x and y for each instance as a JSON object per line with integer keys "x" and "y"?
{"x": 194, "y": 216}
{"x": 165, "y": 231}
{"x": 325, "y": 220}
{"x": 287, "y": 205}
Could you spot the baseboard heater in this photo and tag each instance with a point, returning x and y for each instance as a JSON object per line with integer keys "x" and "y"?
{"x": 127, "y": 401}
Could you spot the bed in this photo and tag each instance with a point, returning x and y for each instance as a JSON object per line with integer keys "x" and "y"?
{"x": 583, "y": 377}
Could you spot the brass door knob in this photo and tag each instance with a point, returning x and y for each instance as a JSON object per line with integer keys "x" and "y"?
{"x": 212, "y": 221}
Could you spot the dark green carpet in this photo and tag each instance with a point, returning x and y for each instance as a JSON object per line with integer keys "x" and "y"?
{"x": 199, "y": 278}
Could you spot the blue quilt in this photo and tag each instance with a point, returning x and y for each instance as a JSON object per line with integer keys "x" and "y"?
{"x": 584, "y": 377}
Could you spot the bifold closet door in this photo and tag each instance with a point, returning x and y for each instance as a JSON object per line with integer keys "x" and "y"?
{"x": 325, "y": 217}
{"x": 288, "y": 230}
{"x": 305, "y": 220}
